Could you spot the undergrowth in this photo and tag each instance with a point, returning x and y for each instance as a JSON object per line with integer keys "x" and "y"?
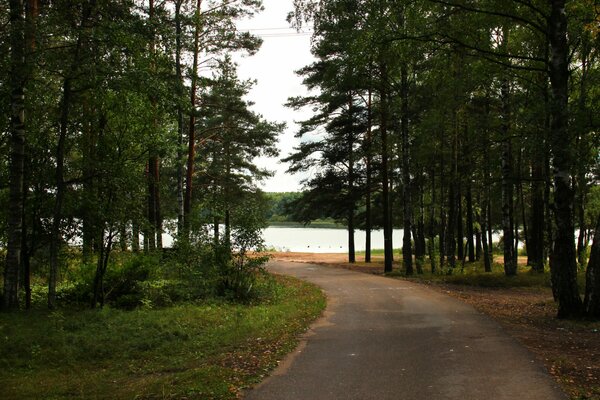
{"x": 205, "y": 349}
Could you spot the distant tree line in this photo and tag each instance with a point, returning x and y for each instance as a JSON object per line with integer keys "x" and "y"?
{"x": 449, "y": 118}
{"x": 121, "y": 120}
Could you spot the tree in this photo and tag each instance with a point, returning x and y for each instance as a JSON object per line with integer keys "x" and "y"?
{"x": 17, "y": 153}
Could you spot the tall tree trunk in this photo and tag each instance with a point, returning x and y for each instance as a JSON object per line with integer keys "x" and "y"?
{"x": 582, "y": 123}
{"x": 25, "y": 249}
{"x": 510, "y": 267}
{"x": 562, "y": 261}
{"x": 369, "y": 183}
{"x": 442, "y": 244}
{"x": 406, "y": 183}
{"x": 151, "y": 212}
{"x": 535, "y": 245}
{"x": 55, "y": 237}
{"x": 431, "y": 241}
{"x": 60, "y": 193}
{"x": 135, "y": 237}
{"x": 452, "y": 214}
{"x": 487, "y": 253}
{"x": 470, "y": 229}
{"x": 460, "y": 233}
{"x": 420, "y": 237}
{"x": 383, "y": 126}
{"x": 180, "y": 128}
{"x": 17, "y": 154}
{"x": 592, "y": 288}
{"x": 158, "y": 228}
{"x": 187, "y": 205}
{"x": 351, "y": 189}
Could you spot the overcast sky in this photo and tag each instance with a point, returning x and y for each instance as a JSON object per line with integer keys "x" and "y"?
{"x": 283, "y": 51}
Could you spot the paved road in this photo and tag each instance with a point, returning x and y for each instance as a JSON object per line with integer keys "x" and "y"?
{"x": 383, "y": 339}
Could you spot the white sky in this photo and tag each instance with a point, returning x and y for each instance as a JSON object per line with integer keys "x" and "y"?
{"x": 283, "y": 52}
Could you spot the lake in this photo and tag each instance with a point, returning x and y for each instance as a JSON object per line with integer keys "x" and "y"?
{"x": 322, "y": 240}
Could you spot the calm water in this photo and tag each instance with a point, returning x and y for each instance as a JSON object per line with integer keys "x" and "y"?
{"x": 321, "y": 240}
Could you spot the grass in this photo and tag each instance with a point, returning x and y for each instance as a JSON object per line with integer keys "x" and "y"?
{"x": 196, "y": 351}
{"x": 320, "y": 223}
{"x": 473, "y": 274}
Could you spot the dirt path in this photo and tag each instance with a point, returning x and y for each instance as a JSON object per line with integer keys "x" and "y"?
{"x": 390, "y": 339}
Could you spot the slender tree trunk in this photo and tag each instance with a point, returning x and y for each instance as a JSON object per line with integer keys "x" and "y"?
{"x": 216, "y": 231}
{"x": 420, "y": 237}
{"x": 442, "y": 244}
{"x": 180, "y": 128}
{"x": 470, "y": 229}
{"x": 369, "y": 183}
{"x": 135, "y": 237}
{"x": 486, "y": 217}
{"x": 523, "y": 213}
{"x": 582, "y": 143}
{"x": 227, "y": 234}
{"x": 431, "y": 242}
{"x": 187, "y": 206}
{"x": 406, "y": 182}
{"x": 563, "y": 258}
{"x": 510, "y": 267}
{"x": 25, "y": 249}
{"x": 351, "y": 178}
{"x": 158, "y": 228}
{"x": 31, "y": 14}
{"x": 151, "y": 196}
{"x": 460, "y": 233}
{"x": 383, "y": 126}
{"x": 592, "y": 288}
{"x": 101, "y": 267}
{"x": 535, "y": 245}
{"x": 17, "y": 155}
{"x": 478, "y": 229}
{"x": 487, "y": 254}
{"x": 452, "y": 214}
{"x": 154, "y": 214}
{"x": 55, "y": 237}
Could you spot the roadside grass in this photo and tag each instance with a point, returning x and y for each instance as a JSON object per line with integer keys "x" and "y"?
{"x": 207, "y": 350}
{"x": 473, "y": 274}
{"x": 319, "y": 223}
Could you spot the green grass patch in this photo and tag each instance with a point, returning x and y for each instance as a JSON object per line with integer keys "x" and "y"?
{"x": 473, "y": 274}
{"x": 379, "y": 252}
{"x": 319, "y": 223}
{"x": 206, "y": 350}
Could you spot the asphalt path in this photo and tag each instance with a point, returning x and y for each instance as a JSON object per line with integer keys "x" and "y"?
{"x": 383, "y": 338}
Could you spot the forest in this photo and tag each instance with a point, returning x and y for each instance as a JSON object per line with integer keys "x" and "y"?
{"x": 126, "y": 119}
{"x": 451, "y": 119}
{"x": 123, "y": 122}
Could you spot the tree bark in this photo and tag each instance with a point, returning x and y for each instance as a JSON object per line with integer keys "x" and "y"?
{"x": 510, "y": 267}
{"x": 383, "y": 126}
{"x": 187, "y": 205}
{"x": 591, "y": 304}
{"x": 180, "y": 128}
{"x": 431, "y": 241}
{"x": 563, "y": 258}
{"x": 369, "y": 184}
{"x": 406, "y": 182}
{"x": 17, "y": 155}
{"x": 351, "y": 189}
{"x": 470, "y": 229}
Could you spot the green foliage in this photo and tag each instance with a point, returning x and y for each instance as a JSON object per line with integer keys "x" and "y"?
{"x": 188, "y": 350}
